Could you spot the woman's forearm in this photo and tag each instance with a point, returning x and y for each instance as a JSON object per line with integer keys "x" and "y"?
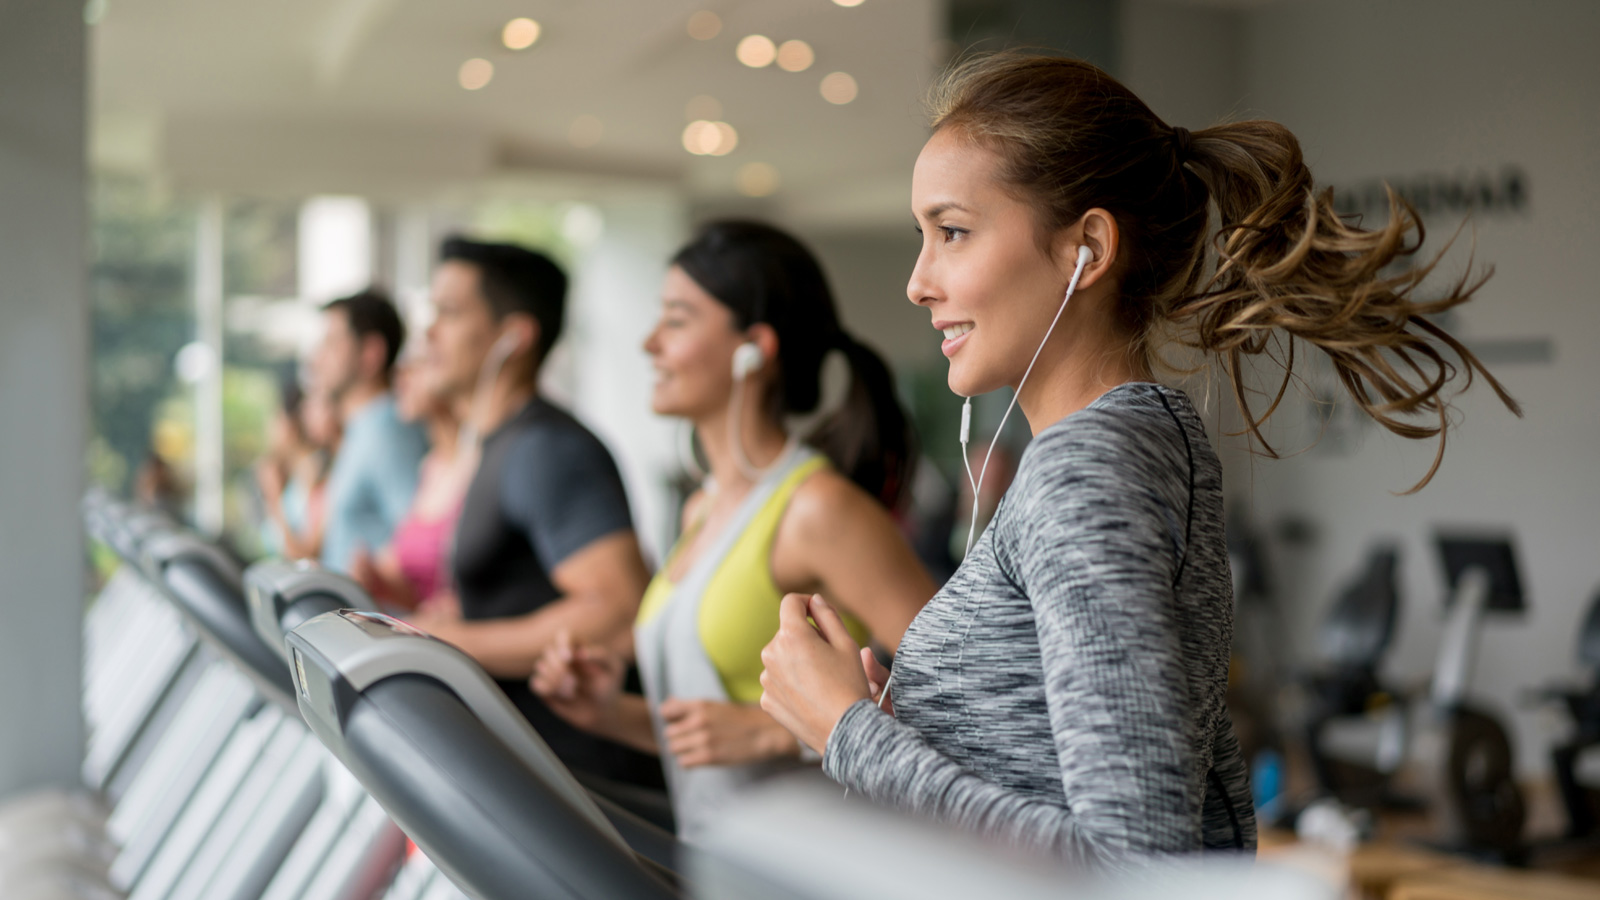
{"x": 629, "y": 724}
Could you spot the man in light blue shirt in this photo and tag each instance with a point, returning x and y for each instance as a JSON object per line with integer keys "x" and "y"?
{"x": 374, "y": 473}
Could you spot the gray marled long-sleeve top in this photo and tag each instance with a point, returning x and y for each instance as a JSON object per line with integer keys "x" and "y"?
{"x": 1064, "y": 691}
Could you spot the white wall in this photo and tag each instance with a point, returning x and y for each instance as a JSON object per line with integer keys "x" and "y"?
{"x": 44, "y": 398}
{"x": 615, "y": 301}
{"x": 1396, "y": 90}
{"x": 868, "y": 270}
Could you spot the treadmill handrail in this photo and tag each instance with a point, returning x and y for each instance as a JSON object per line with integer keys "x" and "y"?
{"x": 365, "y": 648}
{"x": 216, "y": 608}
{"x": 273, "y": 586}
{"x": 168, "y": 547}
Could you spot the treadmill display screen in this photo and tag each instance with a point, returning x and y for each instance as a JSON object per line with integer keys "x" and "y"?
{"x": 380, "y": 625}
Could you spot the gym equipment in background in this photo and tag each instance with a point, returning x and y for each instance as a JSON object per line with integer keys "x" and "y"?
{"x": 1256, "y": 670}
{"x": 439, "y": 745}
{"x": 1582, "y": 705}
{"x": 1354, "y": 754}
{"x": 1361, "y": 734}
{"x": 1474, "y": 765}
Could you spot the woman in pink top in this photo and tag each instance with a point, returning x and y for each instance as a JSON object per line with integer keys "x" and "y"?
{"x": 411, "y": 571}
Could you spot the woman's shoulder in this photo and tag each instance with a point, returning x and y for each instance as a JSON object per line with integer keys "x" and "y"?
{"x": 828, "y": 513}
{"x": 1130, "y": 426}
{"x": 822, "y": 499}
{"x": 1128, "y": 455}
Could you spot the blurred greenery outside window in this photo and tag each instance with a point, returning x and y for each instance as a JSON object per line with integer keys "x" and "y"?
{"x": 142, "y": 290}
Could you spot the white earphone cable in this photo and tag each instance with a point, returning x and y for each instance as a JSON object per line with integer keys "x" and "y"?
{"x": 1084, "y": 255}
{"x": 736, "y": 437}
{"x": 493, "y": 363}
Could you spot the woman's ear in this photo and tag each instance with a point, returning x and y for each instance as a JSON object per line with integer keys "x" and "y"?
{"x": 1098, "y": 231}
{"x": 766, "y": 337}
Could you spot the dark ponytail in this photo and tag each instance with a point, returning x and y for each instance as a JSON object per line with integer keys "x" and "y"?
{"x": 766, "y": 276}
{"x": 869, "y": 436}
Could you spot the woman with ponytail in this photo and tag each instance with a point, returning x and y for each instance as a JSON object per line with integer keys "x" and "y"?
{"x": 747, "y": 321}
{"x": 1064, "y": 691}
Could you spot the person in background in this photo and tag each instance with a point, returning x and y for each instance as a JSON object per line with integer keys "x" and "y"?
{"x": 157, "y": 485}
{"x": 411, "y": 570}
{"x": 747, "y": 320}
{"x": 293, "y": 478}
{"x": 544, "y": 542}
{"x": 374, "y": 474}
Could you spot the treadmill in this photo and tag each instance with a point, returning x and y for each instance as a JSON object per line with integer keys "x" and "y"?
{"x": 207, "y": 589}
{"x": 797, "y": 838}
{"x": 297, "y": 826}
{"x": 437, "y": 743}
{"x": 140, "y": 659}
{"x": 283, "y": 593}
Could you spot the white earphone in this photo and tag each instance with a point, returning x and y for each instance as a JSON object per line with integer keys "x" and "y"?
{"x": 747, "y": 359}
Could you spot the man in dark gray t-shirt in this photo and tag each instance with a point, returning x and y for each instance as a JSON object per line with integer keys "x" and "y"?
{"x": 544, "y": 544}
{"x": 546, "y": 489}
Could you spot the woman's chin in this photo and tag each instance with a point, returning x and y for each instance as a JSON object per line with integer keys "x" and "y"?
{"x": 964, "y": 382}
{"x": 663, "y": 404}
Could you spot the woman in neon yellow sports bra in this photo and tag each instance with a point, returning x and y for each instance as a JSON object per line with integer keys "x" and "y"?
{"x": 746, "y": 321}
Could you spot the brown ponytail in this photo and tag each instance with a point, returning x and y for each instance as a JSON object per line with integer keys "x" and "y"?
{"x": 1281, "y": 263}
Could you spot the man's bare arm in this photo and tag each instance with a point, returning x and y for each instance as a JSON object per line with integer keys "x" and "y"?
{"x": 601, "y": 585}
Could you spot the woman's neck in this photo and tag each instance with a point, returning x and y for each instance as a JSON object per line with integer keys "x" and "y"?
{"x": 1077, "y": 377}
{"x": 762, "y": 439}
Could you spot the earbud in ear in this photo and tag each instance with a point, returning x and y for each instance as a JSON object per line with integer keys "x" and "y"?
{"x": 747, "y": 359}
{"x": 504, "y": 346}
{"x": 1085, "y": 255}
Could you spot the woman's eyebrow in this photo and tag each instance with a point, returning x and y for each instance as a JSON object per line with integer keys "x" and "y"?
{"x": 938, "y": 209}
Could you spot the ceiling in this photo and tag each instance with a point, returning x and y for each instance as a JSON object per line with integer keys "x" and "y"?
{"x": 362, "y": 96}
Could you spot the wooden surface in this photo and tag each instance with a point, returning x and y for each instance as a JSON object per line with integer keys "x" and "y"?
{"x": 1375, "y": 868}
{"x": 1482, "y": 883}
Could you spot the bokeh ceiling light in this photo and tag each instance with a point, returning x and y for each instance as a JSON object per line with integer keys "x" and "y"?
{"x": 757, "y": 51}
{"x": 520, "y": 34}
{"x": 839, "y": 88}
{"x": 757, "y": 179}
{"x": 475, "y": 74}
{"x": 585, "y": 131}
{"x": 795, "y": 56}
{"x": 704, "y": 25}
{"x": 707, "y": 138}
{"x": 703, "y": 106}
{"x": 847, "y": 2}
{"x": 727, "y": 139}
